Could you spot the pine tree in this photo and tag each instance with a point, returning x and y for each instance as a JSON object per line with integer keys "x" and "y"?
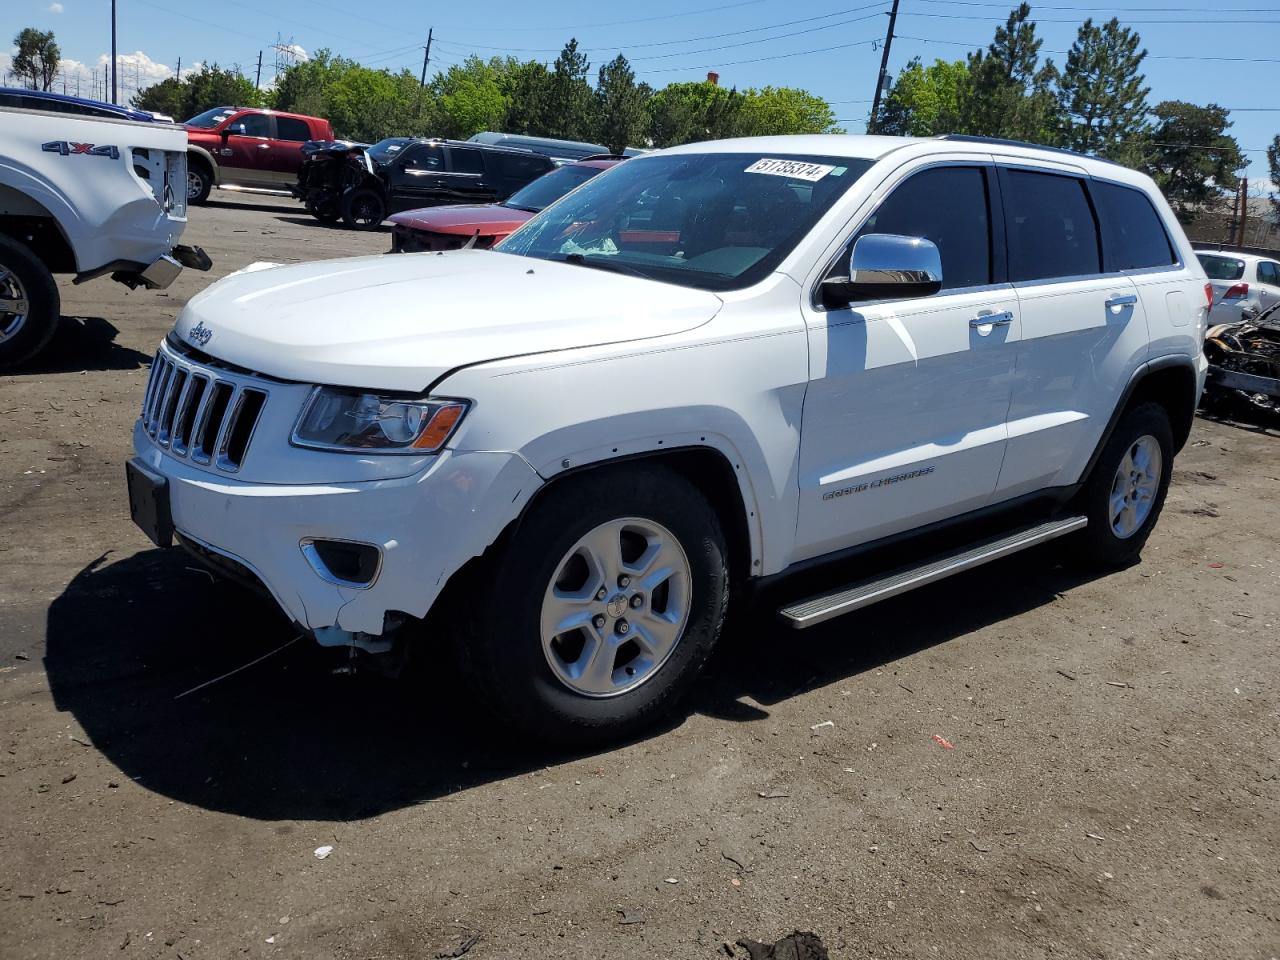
{"x": 569, "y": 115}
{"x": 1273, "y": 168}
{"x": 1006, "y": 93}
{"x": 621, "y": 106}
{"x": 1101, "y": 94}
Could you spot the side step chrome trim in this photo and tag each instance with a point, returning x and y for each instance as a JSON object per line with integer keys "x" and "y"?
{"x": 819, "y": 609}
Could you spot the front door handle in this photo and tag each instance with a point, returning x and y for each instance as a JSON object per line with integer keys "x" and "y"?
{"x": 1116, "y": 301}
{"x": 1001, "y": 319}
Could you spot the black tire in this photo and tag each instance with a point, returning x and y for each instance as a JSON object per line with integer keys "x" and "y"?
{"x": 501, "y": 648}
{"x": 363, "y": 209}
{"x": 199, "y": 180}
{"x": 1099, "y": 545}
{"x": 23, "y": 335}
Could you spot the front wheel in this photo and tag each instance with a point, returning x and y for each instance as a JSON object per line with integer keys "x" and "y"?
{"x": 363, "y": 209}
{"x": 604, "y": 608}
{"x": 1125, "y": 492}
{"x": 29, "y": 304}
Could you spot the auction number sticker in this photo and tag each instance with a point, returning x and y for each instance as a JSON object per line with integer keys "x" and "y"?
{"x": 796, "y": 169}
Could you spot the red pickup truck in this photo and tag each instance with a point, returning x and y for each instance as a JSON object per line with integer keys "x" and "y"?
{"x": 244, "y": 147}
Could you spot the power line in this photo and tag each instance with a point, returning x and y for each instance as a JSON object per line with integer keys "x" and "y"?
{"x": 779, "y": 56}
{"x": 667, "y": 43}
{"x": 1041, "y": 6}
{"x": 971, "y": 16}
{"x": 1150, "y": 56}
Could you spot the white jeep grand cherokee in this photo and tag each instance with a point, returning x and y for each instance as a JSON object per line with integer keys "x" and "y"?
{"x": 707, "y": 367}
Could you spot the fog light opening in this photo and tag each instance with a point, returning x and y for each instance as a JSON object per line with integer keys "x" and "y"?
{"x": 347, "y": 563}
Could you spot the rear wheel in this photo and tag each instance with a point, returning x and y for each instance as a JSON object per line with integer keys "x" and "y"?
{"x": 604, "y": 608}
{"x": 1126, "y": 490}
{"x": 363, "y": 209}
{"x": 29, "y": 304}
{"x": 199, "y": 181}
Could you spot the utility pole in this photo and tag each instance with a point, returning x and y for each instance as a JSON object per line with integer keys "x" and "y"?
{"x": 257, "y": 81}
{"x": 426, "y": 56}
{"x": 1244, "y": 208}
{"x": 179, "y": 69}
{"x": 884, "y": 69}
{"x": 114, "y": 97}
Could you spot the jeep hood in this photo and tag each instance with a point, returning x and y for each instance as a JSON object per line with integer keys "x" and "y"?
{"x": 399, "y": 322}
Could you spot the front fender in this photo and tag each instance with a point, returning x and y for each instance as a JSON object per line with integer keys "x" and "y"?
{"x": 209, "y": 158}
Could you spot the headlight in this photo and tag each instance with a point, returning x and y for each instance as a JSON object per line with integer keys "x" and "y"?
{"x": 337, "y": 418}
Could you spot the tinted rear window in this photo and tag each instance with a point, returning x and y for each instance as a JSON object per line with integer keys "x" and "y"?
{"x": 514, "y": 166}
{"x": 1132, "y": 235}
{"x": 1221, "y": 268}
{"x": 1051, "y": 228}
{"x": 290, "y": 128}
{"x": 465, "y": 161}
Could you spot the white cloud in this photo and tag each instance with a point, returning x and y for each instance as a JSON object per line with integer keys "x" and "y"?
{"x": 137, "y": 68}
{"x": 297, "y": 50}
{"x": 55, "y": 8}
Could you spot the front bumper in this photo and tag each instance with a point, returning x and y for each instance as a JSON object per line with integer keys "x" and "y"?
{"x": 425, "y": 527}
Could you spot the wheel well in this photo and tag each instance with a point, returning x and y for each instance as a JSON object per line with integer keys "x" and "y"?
{"x": 199, "y": 159}
{"x": 707, "y": 469}
{"x": 42, "y": 236}
{"x": 1174, "y": 388}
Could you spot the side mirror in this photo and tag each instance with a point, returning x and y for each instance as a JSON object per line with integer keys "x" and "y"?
{"x": 885, "y": 266}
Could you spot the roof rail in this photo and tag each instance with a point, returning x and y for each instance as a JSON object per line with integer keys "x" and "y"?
{"x": 1005, "y": 142}
{"x": 606, "y": 156}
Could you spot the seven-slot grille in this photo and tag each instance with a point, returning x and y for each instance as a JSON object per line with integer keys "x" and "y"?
{"x": 200, "y": 416}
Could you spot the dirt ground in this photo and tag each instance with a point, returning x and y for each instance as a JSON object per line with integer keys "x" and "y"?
{"x": 1109, "y": 783}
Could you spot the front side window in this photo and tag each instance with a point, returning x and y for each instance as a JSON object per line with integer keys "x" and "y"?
{"x": 251, "y": 125}
{"x": 948, "y": 206}
{"x": 423, "y": 157}
{"x": 716, "y": 221}
{"x": 1221, "y": 268}
{"x": 384, "y": 151}
{"x": 1133, "y": 235}
{"x": 1050, "y": 227}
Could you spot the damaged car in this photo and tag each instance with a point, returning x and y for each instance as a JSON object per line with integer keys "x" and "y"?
{"x": 362, "y": 185}
{"x": 1244, "y": 366}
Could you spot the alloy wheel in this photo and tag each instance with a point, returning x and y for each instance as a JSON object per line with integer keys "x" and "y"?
{"x": 1134, "y": 487}
{"x": 616, "y": 608}
{"x": 14, "y": 305}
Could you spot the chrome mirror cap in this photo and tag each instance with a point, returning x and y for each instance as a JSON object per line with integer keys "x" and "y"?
{"x": 892, "y": 260}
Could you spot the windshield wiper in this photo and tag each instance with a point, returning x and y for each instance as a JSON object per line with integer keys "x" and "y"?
{"x": 604, "y": 263}
{"x": 516, "y": 206}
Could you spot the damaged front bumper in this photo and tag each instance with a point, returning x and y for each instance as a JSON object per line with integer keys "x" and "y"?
{"x": 412, "y": 532}
{"x": 1244, "y": 362}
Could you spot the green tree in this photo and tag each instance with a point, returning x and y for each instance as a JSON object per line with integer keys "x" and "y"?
{"x": 1273, "y": 169}
{"x": 784, "y": 110}
{"x": 1101, "y": 95}
{"x": 528, "y": 89}
{"x": 37, "y": 59}
{"x": 621, "y": 106}
{"x": 690, "y": 112}
{"x": 361, "y": 103}
{"x": 169, "y": 96}
{"x": 569, "y": 108}
{"x": 470, "y": 97}
{"x": 1191, "y": 156}
{"x": 210, "y": 86}
{"x": 1005, "y": 92}
{"x": 921, "y": 98}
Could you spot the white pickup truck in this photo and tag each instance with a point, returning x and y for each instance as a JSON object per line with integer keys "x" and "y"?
{"x": 88, "y": 189}
{"x": 710, "y": 367}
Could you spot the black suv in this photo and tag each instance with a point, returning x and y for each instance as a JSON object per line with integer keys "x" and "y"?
{"x": 362, "y": 185}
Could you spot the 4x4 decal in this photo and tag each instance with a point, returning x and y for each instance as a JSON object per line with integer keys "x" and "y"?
{"x": 66, "y": 148}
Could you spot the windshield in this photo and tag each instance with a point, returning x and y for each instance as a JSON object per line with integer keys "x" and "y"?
{"x": 385, "y": 150}
{"x": 718, "y": 221}
{"x": 210, "y": 118}
{"x": 546, "y": 190}
{"x": 1221, "y": 268}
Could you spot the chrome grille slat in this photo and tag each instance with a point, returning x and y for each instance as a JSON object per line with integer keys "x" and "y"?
{"x": 201, "y": 414}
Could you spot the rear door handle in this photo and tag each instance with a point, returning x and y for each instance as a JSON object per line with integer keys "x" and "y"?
{"x": 1001, "y": 319}
{"x": 264, "y": 146}
{"x": 1116, "y": 301}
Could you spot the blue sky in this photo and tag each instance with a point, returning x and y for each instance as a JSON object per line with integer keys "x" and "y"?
{"x": 830, "y": 47}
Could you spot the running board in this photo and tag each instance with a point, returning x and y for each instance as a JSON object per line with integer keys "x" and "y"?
{"x": 817, "y": 610}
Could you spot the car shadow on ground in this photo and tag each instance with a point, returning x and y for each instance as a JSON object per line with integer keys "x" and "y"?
{"x": 266, "y": 203}
{"x": 310, "y": 221}
{"x": 289, "y": 739}
{"x": 84, "y": 343}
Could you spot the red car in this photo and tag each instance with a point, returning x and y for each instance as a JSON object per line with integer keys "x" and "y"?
{"x": 448, "y": 228}
{"x": 242, "y": 147}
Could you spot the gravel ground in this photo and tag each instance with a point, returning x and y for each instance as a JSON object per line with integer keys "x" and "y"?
{"x": 1020, "y": 763}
